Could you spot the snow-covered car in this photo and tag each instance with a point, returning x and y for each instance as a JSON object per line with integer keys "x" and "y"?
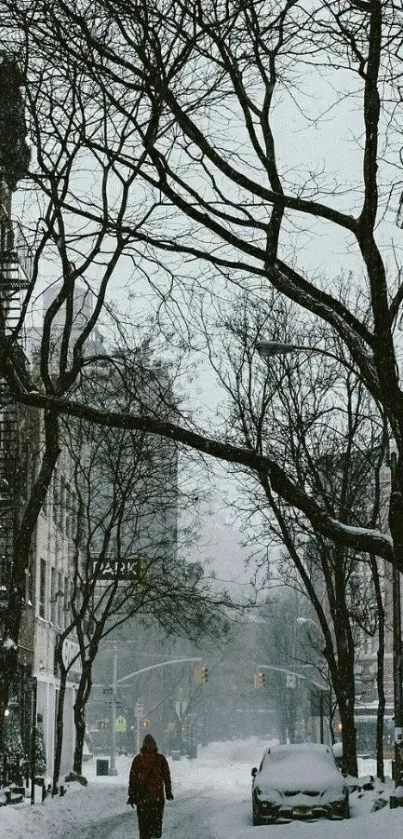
{"x": 298, "y": 780}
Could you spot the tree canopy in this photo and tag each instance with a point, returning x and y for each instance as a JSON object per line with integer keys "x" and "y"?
{"x": 202, "y": 147}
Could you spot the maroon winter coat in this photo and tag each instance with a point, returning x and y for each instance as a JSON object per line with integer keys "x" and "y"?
{"x": 149, "y": 773}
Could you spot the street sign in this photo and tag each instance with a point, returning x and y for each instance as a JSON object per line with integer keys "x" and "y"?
{"x": 181, "y": 703}
{"x": 290, "y": 680}
{"x": 139, "y": 711}
{"x": 121, "y": 725}
{"x": 180, "y": 707}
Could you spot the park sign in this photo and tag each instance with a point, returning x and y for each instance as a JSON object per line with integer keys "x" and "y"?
{"x": 72, "y": 659}
{"x": 132, "y": 569}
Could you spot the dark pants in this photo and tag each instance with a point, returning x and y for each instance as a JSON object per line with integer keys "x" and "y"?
{"x": 149, "y": 815}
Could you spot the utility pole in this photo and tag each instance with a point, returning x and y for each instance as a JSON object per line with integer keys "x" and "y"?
{"x": 112, "y": 768}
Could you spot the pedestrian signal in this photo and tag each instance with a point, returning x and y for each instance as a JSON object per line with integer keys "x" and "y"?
{"x": 144, "y": 723}
{"x": 259, "y": 680}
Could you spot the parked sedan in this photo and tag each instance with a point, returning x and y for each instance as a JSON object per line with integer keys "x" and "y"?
{"x": 298, "y": 781}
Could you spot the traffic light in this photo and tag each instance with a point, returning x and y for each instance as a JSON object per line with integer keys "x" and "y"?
{"x": 201, "y": 675}
{"x": 259, "y": 680}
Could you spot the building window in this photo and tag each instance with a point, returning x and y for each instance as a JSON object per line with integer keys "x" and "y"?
{"x": 46, "y": 503}
{"x": 42, "y": 589}
{"x": 53, "y": 597}
{"x": 66, "y": 601}
{"x": 62, "y": 516}
{"x": 56, "y": 509}
{"x": 69, "y": 512}
{"x": 29, "y": 593}
{"x": 60, "y": 620}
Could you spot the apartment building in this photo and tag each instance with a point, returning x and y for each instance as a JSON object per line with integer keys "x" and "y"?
{"x": 21, "y": 436}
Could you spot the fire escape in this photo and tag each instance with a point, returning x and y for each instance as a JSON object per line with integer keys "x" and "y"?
{"x": 14, "y": 278}
{"x": 15, "y": 275}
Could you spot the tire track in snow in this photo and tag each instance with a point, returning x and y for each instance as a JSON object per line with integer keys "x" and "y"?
{"x": 191, "y": 809}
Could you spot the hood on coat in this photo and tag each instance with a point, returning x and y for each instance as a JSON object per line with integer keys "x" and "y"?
{"x": 149, "y": 744}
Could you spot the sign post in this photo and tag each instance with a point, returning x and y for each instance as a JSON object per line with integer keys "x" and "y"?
{"x": 180, "y": 704}
{"x": 139, "y": 714}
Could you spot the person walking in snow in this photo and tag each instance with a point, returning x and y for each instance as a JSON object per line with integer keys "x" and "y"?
{"x": 148, "y": 780}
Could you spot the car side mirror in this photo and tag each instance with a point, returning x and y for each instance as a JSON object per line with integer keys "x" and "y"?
{"x": 337, "y": 750}
{"x": 253, "y": 773}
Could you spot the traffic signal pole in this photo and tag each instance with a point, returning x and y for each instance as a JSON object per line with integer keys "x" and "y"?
{"x": 114, "y": 686}
{"x": 259, "y": 682}
{"x": 156, "y": 667}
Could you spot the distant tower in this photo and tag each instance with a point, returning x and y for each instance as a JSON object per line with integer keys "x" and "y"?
{"x": 83, "y": 304}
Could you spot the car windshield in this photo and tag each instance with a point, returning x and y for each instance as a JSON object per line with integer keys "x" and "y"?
{"x": 301, "y": 765}
{"x": 297, "y": 753}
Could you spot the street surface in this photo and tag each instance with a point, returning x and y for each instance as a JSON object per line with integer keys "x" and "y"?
{"x": 189, "y": 817}
{"x": 212, "y": 801}
{"x": 208, "y": 815}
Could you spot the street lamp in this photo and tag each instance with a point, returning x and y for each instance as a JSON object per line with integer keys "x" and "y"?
{"x": 268, "y": 349}
{"x": 303, "y": 621}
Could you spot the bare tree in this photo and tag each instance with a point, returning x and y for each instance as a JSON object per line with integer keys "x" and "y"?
{"x": 125, "y": 560}
{"x": 130, "y": 59}
{"x": 315, "y": 418}
{"x": 181, "y": 98}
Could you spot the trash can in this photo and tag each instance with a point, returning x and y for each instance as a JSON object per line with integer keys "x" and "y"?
{"x": 102, "y": 767}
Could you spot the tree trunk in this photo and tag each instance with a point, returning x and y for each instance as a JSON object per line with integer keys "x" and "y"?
{"x": 59, "y": 729}
{"x": 342, "y": 677}
{"x": 380, "y": 770}
{"x": 83, "y": 692}
{"x": 349, "y": 738}
{"x": 79, "y": 722}
{"x": 345, "y": 685}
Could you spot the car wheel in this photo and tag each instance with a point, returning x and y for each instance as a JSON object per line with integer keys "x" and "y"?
{"x": 341, "y": 811}
{"x": 255, "y": 819}
{"x": 346, "y": 810}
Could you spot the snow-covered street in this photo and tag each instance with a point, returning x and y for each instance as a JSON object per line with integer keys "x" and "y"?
{"x": 212, "y": 801}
